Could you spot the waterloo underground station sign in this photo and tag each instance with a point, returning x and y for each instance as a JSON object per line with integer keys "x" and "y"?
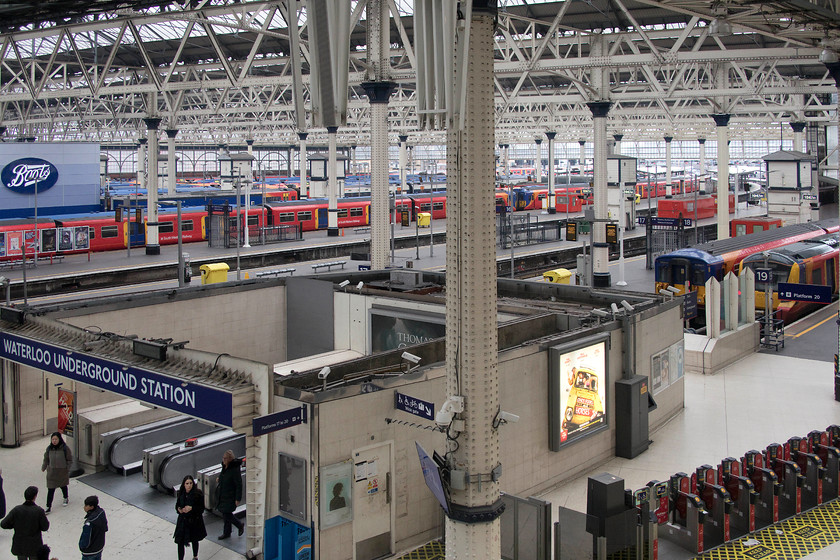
{"x": 196, "y": 400}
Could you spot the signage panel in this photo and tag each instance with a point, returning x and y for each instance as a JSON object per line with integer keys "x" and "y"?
{"x": 689, "y": 305}
{"x": 581, "y": 406}
{"x": 431, "y": 474}
{"x": 415, "y": 406}
{"x": 571, "y": 231}
{"x": 24, "y": 175}
{"x": 668, "y": 222}
{"x": 196, "y": 400}
{"x": 809, "y": 197}
{"x": 262, "y": 425}
{"x": 763, "y": 275}
{"x": 804, "y": 292}
{"x": 612, "y": 234}
{"x": 66, "y": 410}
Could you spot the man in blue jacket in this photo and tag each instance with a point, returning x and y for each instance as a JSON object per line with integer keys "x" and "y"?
{"x": 92, "y": 540}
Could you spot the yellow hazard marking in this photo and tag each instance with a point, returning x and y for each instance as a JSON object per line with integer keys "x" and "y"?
{"x": 790, "y": 539}
{"x": 435, "y": 550}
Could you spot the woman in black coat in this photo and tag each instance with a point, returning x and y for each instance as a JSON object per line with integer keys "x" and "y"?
{"x": 189, "y": 503}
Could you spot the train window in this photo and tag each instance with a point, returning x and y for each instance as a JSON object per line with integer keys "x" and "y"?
{"x": 187, "y": 225}
{"x": 288, "y": 216}
{"x": 253, "y": 220}
{"x": 304, "y": 216}
{"x": 816, "y": 276}
{"x": 357, "y": 211}
{"x": 438, "y": 205}
{"x": 740, "y": 229}
{"x": 108, "y": 231}
{"x": 166, "y": 227}
{"x": 342, "y": 212}
{"x": 698, "y": 275}
{"x": 425, "y": 207}
{"x": 562, "y": 200}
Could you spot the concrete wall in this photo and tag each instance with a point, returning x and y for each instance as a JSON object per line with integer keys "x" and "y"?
{"x": 240, "y": 322}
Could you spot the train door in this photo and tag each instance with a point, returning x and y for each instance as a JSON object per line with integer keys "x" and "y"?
{"x": 136, "y": 233}
{"x": 676, "y": 273}
{"x": 374, "y": 509}
{"x": 323, "y": 223}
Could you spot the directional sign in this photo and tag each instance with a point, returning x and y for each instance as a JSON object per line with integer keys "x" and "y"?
{"x": 809, "y": 197}
{"x": 262, "y": 425}
{"x": 689, "y": 305}
{"x": 414, "y": 406}
{"x": 804, "y": 292}
{"x": 763, "y": 275}
{"x": 657, "y": 221}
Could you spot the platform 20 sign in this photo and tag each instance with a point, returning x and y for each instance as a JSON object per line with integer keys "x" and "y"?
{"x": 159, "y": 390}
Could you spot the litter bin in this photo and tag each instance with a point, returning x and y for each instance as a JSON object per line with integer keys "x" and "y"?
{"x": 187, "y": 269}
{"x": 558, "y": 276}
{"x": 214, "y": 273}
{"x": 424, "y": 219}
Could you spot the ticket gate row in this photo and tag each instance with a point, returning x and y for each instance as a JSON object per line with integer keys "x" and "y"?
{"x": 714, "y": 505}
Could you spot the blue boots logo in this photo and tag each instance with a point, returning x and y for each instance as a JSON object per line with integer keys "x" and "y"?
{"x": 23, "y": 175}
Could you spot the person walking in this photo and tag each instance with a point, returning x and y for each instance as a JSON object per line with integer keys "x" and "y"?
{"x": 229, "y": 492}
{"x": 57, "y": 461}
{"x": 28, "y": 521}
{"x": 189, "y": 503}
{"x": 92, "y": 541}
{"x": 2, "y": 496}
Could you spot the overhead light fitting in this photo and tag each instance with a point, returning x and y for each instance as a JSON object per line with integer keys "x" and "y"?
{"x": 720, "y": 28}
{"x": 828, "y": 56}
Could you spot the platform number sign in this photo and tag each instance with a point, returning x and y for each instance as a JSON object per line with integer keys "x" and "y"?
{"x": 763, "y": 275}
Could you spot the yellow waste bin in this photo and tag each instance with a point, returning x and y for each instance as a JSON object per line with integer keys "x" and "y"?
{"x": 214, "y": 273}
{"x": 424, "y": 219}
{"x": 557, "y": 276}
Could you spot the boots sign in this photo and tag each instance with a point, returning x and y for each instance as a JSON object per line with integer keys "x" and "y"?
{"x": 23, "y": 175}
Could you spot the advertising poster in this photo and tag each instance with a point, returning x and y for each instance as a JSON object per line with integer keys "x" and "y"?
{"x": 65, "y": 412}
{"x": 30, "y": 237}
{"x": 677, "y": 352}
{"x": 336, "y": 505}
{"x": 2, "y": 244}
{"x": 389, "y": 332}
{"x": 14, "y": 244}
{"x": 82, "y": 236}
{"x": 65, "y": 239}
{"x": 48, "y": 240}
{"x": 583, "y": 391}
{"x": 667, "y": 366}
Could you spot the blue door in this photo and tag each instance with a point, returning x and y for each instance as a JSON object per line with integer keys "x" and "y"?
{"x": 322, "y": 218}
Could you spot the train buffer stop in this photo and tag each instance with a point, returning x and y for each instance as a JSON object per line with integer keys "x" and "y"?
{"x": 214, "y": 273}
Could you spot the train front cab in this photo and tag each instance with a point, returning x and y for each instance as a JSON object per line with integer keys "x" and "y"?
{"x": 685, "y": 273}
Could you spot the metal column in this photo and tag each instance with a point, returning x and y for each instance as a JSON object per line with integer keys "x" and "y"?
{"x": 378, "y": 94}
{"x": 472, "y": 526}
{"x": 552, "y": 198}
{"x": 403, "y": 163}
{"x": 617, "y": 138}
{"x": 304, "y": 188}
{"x": 152, "y": 231}
{"x": 701, "y": 173}
{"x": 582, "y": 154}
{"x": 600, "y": 247}
{"x": 332, "y": 182}
{"x": 141, "y": 163}
{"x": 171, "y": 162}
{"x": 722, "y": 129}
{"x": 798, "y": 128}
{"x": 669, "y": 187}
{"x": 538, "y": 161}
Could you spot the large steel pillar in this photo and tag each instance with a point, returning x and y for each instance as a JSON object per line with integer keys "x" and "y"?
{"x": 332, "y": 183}
{"x": 141, "y": 163}
{"x": 304, "y": 187}
{"x": 10, "y": 397}
{"x": 152, "y": 229}
{"x": 472, "y": 524}
{"x": 600, "y": 247}
{"x": 701, "y": 173}
{"x": 538, "y": 161}
{"x": 582, "y": 154}
{"x": 506, "y": 159}
{"x": 552, "y": 197}
{"x": 798, "y": 129}
{"x": 403, "y": 163}
{"x": 722, "y": 130}
{"x": 378, "y": 94}
{"x": 669, "y": 187}
{"x": 171, "y": 162}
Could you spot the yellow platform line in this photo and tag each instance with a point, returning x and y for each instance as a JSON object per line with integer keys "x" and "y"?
{"x": 790, "y": 539}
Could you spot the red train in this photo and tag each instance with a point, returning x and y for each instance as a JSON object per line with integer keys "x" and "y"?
{"x": 706, "y": 206}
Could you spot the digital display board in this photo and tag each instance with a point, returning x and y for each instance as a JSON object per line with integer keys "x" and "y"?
{"x": 578, "y": 381}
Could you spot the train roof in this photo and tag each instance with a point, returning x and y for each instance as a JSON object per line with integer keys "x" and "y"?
{"x": 723, "y": 246}
{"x": 692, "y": 253}
{"x": 802, "y": 249}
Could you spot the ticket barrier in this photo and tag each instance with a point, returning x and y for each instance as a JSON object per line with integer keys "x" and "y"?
{"x": 819, "y": 444}
{"x": 742, "y": 492}
{"x": 790, "y": 478}
{"x": 652, "y": 504}
{"x": 767, "y": 488}
{"x": 716, "y": 526}
{"x": 686, "y": 515}
{"x": 812, "y": 469}
{"x": 833, "y": 432}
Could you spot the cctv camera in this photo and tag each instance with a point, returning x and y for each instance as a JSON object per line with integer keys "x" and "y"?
{"x": 614, "y": 308}
{"x": 600, "y": 313}
{"x": 344, "y": 284}
{"x": 325, "y": 371}
{"x": 411, "y": 358}
{"x": 665, "y": 293}
{"x": 673, "y": 290}
{"x": 452, "y": 406}
{"x": 627, "y": 307}
{"x": 508, "y": 417}
{"x": 360, "y": 285}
